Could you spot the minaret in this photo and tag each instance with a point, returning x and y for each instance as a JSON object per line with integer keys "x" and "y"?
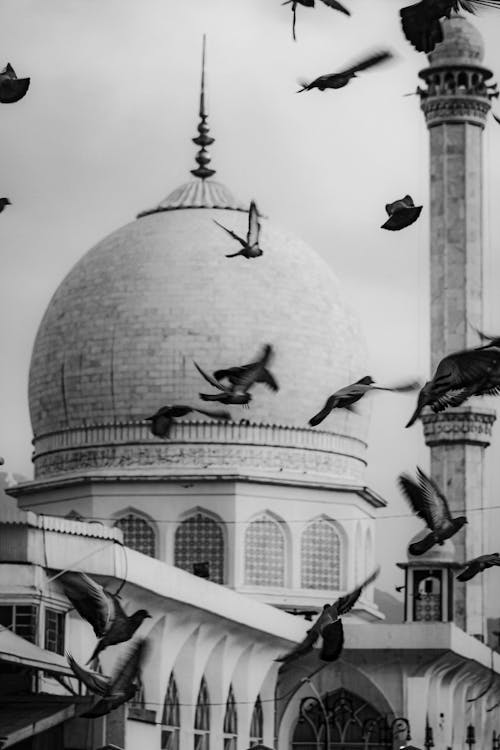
{"x": 456, "y": 104}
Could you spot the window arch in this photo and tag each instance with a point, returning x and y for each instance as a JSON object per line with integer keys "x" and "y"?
{"x": 170, "y": 720}
{"x": 202, "y": 718}
{"x": 257, "y": 724}
{"x": 138, "y": 534}
{"x": 230, "y": 722}
{"x": 264, "y": 552}
{"x": 321, "y": 555}
{"x": 352, "y": 722}
{"x": 199, "y": 542}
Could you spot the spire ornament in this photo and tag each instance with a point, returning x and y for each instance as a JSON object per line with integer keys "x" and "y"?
{"x": 203, "y": 139}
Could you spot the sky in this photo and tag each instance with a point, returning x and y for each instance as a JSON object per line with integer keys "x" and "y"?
{"x": 105, "y": 131}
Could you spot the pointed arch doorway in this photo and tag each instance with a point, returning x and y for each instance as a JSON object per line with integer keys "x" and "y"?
{"x": 353, "y": 724}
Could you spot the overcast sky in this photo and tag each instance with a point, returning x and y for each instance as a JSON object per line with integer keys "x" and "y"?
{"x": 105, "y": 131}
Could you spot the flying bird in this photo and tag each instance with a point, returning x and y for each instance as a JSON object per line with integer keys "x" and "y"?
{"x": 401, "y": 213}
{"x": 101, "y": 609}
{"x": 342, "y": 78}
{"x": 477, "y": 565}
{"x": 345, "y": 397}
{"x": 237, "y": 392}
{"x": 4, "y": 202}
{"x": 12, "y": 88}
{"x": 234, "y": 375}
{"x": 428, "y": 502}
{"x": 164, "y": 418}
{"x": 116, "y": 689}
{"x": 310, "y": 4}
{"x": 471, "y": 372}
{"x": 249, "y": 246}
{"x": 421, "y": 22}
{"x": 329, "y": 626}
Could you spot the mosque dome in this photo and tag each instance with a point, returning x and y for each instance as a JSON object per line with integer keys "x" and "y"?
{"x": 121, "y": 334}
{"x": 462, "y": 44}
{"x": 444, "y": 553}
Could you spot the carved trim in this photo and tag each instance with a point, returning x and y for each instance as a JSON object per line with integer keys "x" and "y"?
{"x": 465, "y": 427}
{"x": 440, "y": 109}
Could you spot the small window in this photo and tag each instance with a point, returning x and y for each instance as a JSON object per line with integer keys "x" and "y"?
{"x": 202, "y": 718}
{"x": 257, "y": 724}
{"x": 54, "y": 631}
{"x": 21, "y": 619}
{"x": 171, "y": 718}
{"x": 230, "y": 722}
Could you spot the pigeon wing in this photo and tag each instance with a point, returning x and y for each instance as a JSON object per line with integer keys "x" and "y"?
{"x": 369, "y": 62}
{"x": 336, "y": 6}
{"x": 96, "y": 683}
{"x": 306, "y": 645}
{"x": 345, "y": 603}
{"x": 233, "y": 234}
{"x": 434, "y": 500}
{"x": 413, "y": 494}
{"x": 129, "y": 668}
{"x": 253, "y": 225}
{"x": 269, "y": 379}
{"x": 209, "y": 378}
{"x": 89, "y": 599}
{"x": 466, "y": 367}
{"x": 325, "y": 411}
{"x": 8, "y": 72}
{"x": 250, "y": 374}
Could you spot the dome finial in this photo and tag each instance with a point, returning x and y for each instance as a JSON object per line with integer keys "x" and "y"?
{"x": 203, "y": 139}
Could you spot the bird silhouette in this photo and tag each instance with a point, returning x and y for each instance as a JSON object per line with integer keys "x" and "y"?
{"x": 101, "y": 609}
{"x": 428, "y": 502}
{"x": 310, "y": 4}
{"x": 345, "y": 397}
{"x": 421, "y": 22}
{"x": 164, "y": 418}
{"x": 342, "y": 78}
{"x": 116, "y": 689}
{"x": 237, "y": 392}
{"x": 471, "y": 372}
{"x": 12, "y": 88}
{"x": 234, "y": 375}
{"x": 250, "y": 246}
{"x": 477, "y": 565}
{"x": 401, "y": 213}
{"x": 4, "y": 202}
{"x": 329, "y": 626}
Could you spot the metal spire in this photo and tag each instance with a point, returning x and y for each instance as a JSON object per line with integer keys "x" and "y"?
{"x": 203, "y": 139}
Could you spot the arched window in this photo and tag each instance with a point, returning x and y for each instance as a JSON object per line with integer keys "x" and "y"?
{"x": 264, "y": 553}
{"x": 137, "y": 534}
{"x": 321, "y": 549}
{"x": 230, "y": 722}
{"x": 171, "y": 717}
{"x": 427, "y": 601}
{"x": 202, "y": 718}
{"x": 352, "y": 722}
{"x": 257, "y": 724}
{"x": 199, "y": 545}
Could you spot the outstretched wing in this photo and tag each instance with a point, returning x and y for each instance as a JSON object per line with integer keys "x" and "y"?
{"x": 130, "y": 667}
{"x": 369, "y": 62}
{"x": 269, "y": 379}
{"x": 96, "y": 683}
{"x": 345, "y": 603}
{"x": 90, "y": 600}
{"x": 336, "y": 6}
{"x": 434, "y": 500}
{"x": 465, "y": 368}
{"x": 253, "y": 225}
{"x": 254, "y": 371}
{"x": 303, "y": 647}
{"x": 413, "y": 494}
{"x": 325, "y": 411}
{"x": 233, "y": 234}
{"x": 209, "y": 378}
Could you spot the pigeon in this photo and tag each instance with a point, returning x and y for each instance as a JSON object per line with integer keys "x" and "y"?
{"x": 114, "y": 690}
{"x": 310, "y": 4}
{"x": 421, "y": 21}
{"x": 12, "y": 88}
{"x": 101, "y": 609}
{"x": 4, "y": 202}
{"x": 237, "y": 393}
{"x": 347, "y": 396}
{"x": 234, "y": 375}
{"x": 429, "y": 503}
{"x": 164, "y": 418}
{"x": 401, "y": 213}
{"x": 342, "y": 78}
{"x": 249, "y": 246}
{"x": 477, "y": 565}
{"x": 471, "y": 372}
{"x": 329, "y": 626}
